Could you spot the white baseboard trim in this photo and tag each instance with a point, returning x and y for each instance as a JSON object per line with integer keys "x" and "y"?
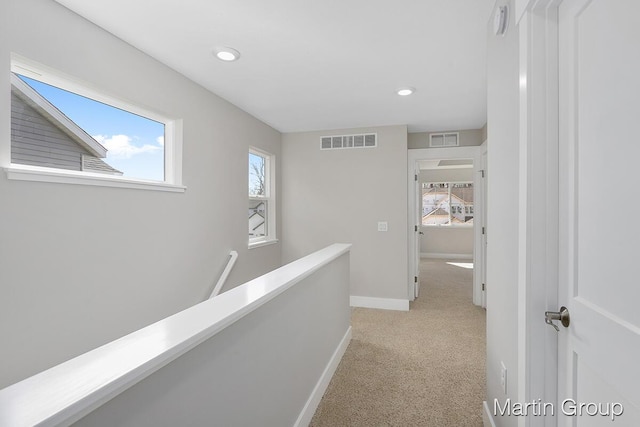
{"x": 383, "y": 303}
{"x": 437, "y": 255}
{"x": 318, "y": 391}
{"x": 487, "y": 418}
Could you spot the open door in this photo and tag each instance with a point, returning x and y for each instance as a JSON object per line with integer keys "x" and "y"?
{"x": 417, "y": 231}
{"x": 483, "y": 224}
{"x": 599, "y": 351}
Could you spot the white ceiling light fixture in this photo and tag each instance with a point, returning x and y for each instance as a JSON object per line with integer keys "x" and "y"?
{"x": 226, "y": 54}
{"x": 405, "y": 91}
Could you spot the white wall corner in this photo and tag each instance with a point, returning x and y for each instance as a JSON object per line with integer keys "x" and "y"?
{"x": 318, "y": 391}
{"x": 381, "y": 303}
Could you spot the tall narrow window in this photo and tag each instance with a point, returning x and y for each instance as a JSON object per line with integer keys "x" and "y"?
{"x": 261, "y": 200}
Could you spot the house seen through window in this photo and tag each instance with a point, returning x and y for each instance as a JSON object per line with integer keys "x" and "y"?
{"x": 447, "y": 203}
{"x": 55, "y": 128}
{"x": 261, "y": 203}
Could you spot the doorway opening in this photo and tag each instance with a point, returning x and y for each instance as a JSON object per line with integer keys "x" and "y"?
{"x": 446, "y": 212}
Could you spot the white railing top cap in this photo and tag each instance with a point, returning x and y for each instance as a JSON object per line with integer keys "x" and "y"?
{"x": 67, "y": 392}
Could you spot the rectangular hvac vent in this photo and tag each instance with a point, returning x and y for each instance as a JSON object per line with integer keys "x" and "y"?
{"x": 449, "y": 139}
{"x": 368, "y": 140}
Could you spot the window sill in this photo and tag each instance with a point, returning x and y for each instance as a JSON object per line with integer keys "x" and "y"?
{"x": 261, "y": 243}
{"x": 446, "y": 226}
{"x": 40, "y": 174}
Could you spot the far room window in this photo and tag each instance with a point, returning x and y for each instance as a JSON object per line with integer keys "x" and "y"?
{"x": 65, "y": 127}
{"x": 261, "y": 198}
{"x": 447, "y": 203}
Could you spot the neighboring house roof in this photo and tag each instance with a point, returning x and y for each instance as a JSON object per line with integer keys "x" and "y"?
{"x": 458, "y": 199}
{"x": 94, "y": 164}
{"x": 251, "y": 215}
{"x": 437, "y": 212}
{"x": 48, "y": 110}
{"x": 454, "y": 198}
{"x": 256, "y": 220}
{"x": 90, "y": 162}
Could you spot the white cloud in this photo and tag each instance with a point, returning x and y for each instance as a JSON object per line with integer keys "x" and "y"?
{"x": 120, "y": 146}
{"x": 160, "y": 140}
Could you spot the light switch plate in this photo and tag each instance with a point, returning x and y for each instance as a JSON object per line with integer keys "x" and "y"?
{"x": 383, "y": 226}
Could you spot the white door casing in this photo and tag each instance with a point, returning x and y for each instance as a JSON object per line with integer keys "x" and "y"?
{"x": 599, "y": 86}
{"x": 482, "y": 268}
{"x": 538, "y": 208}
{"x": 417, "y": 223}
{"x": 579, "y": 92}
{"x": 473, "y": 152}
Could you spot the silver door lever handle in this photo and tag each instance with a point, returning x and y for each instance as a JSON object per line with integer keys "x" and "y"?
{"x": 562, "y": 316}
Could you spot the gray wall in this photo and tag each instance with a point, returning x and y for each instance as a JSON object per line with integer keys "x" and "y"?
{"x": 340, "y": 195}
{"x": 439, "y": 241}
{"x": 451, "y": 175}
{"x": 446, "y": 240}
{"x": 81, "y": 265}
{"x": 259, "y": 371}
{"x": 467, "y": 138}
{"x": 502, "y": 214}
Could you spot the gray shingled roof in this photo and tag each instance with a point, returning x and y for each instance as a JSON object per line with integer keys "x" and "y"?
{"x": 55, "y": 116}
{"x": 438, "y": 212}
{"x": 94, "y": 164}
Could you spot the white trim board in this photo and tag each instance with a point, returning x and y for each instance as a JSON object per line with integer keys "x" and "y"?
{"x": 382, "y": 303}
{"x": 445, "y": 256}
{"x": 130, "y": 359}
{"x": 318, "y": 391}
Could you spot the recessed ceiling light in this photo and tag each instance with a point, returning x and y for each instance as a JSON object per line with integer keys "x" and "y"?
{"x": 226, "y": 54}
{"x": 405, "y": 91}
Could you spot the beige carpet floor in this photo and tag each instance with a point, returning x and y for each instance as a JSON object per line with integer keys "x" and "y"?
{"x": 425, "y": 367}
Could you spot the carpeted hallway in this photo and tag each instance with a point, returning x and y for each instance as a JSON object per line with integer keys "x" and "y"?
{"x": 425, "y": 367}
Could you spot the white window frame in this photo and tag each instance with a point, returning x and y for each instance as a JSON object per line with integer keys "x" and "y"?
{"x": 269, "y": 198}
{"x": 451, "y": 224}
{"x": 172, "y": 143}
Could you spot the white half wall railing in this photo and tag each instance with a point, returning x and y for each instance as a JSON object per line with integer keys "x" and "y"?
{"x": 261, "y": 353}
{"x": 225, "y": 274}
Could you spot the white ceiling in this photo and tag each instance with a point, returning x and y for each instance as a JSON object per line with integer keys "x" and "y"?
{"x": 437, "y": 164}
{"x": 323, "y": 64}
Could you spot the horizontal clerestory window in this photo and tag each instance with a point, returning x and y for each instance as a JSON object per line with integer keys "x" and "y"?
{"x": 60, "y": 128}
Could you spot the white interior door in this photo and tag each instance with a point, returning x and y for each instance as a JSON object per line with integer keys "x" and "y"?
{"x": 599, "y": 360}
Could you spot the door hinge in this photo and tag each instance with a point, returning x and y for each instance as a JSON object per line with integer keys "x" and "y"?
{"x": 483, "y": 286}
{"x": 415, "y": 279}
{"x": 482, "y": 172}
{"x": 415, "y": 177}
{"x": 483, "y": 231}
{"x": 416, "y": 228}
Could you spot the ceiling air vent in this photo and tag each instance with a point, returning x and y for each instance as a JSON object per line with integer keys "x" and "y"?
{"x": 368, "y": 140}
{"x": 449, "y": 139}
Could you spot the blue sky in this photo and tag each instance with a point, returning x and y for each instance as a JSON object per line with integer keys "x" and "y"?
{"x": 135, "y": 144}
{"x": 253, "y": 179}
